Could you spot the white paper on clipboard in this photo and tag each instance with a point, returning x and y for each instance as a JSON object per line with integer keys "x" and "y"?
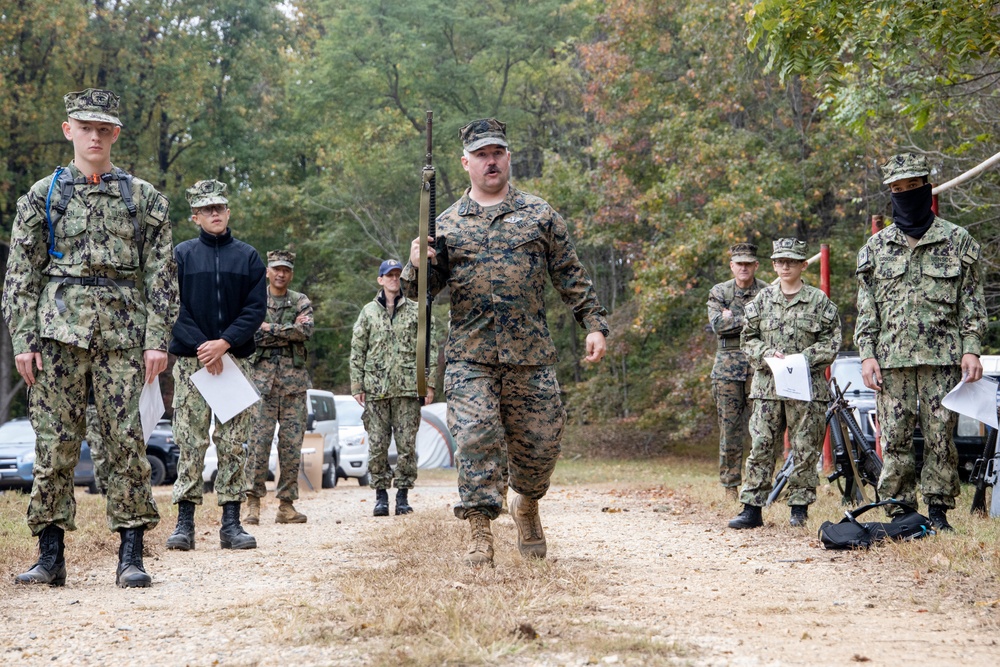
{"x": 150, "y": 407}
{"x": 791, "y": 377}
{"x": 229, "y": 393}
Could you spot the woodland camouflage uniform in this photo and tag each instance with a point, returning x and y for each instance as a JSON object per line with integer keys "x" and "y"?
{"x": 919, "y": 310}
{"x": 90, "y": 308}
{"x": 282, "y": 379}
{"x": 731, "y": 373}
{"x": 500, "y": 380}
{"x": 807, "y": 323}
{"x": 383, "y": 367}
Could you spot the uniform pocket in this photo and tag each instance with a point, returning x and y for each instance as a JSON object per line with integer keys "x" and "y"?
{"x": 122, "y": 243}
{"x": 941, "y": 277}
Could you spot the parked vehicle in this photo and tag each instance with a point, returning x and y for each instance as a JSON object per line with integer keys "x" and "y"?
{"x": 163, "y": 454}
{"x": 353, "y": 441}
{"x": 970, "y": 435}
{"x": 17, "y": 458}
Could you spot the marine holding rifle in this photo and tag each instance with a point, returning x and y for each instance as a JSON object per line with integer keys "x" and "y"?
{"x": 731, "y": 374}
{"x": 784, "y": 319}
{"x": 89, "y": 297}
{"x": 921, "y": 318}
{"x": 496, "y": 248}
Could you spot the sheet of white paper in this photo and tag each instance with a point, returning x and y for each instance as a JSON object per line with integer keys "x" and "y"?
{"x": 229, "y": 393}
{"x": 974, "y": 399}
{"x": 150, "y": 408}
{"x": 791, "y": 377}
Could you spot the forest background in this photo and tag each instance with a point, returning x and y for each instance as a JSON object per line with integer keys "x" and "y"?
{"x": 663, "y": 131}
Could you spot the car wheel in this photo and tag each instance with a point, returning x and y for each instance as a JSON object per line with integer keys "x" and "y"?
{"x": 364, "y": 480}
{"x": 92, "y": 488}
{"x": 157, "y": 470}
{"x": 210, "y": 484}
{"x": 330, "y": 478}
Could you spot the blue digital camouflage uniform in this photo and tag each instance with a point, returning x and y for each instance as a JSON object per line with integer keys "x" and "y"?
{"x": 91, "y": 308}
{"x": 384, "y": 367}
{"x": 283, "y": 379}
{"x": 919, "y": 310}
{"x": 503, "y": 398}
{"x": 807, "y": 323}
{"x": 731, "y": 374}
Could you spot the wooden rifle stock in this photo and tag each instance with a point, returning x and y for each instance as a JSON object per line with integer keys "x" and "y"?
{"x": 428, "y": 213}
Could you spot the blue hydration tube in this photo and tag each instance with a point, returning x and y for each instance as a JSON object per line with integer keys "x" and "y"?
{"x": 48, "y": 215}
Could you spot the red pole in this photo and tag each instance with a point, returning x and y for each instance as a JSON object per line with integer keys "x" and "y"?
{"x": 824, "y": 285}
{"x": 934, "y": 204}
{"x": 878, "y": 222}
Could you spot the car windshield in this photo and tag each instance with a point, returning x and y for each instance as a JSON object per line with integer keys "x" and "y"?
{"x": 17, "y": 432}
{"x": 349, "y": 412}
{"x": 848, "y": 371}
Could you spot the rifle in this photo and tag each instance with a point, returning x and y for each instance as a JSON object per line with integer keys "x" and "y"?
{"x": 856, "y": 460}
{"x": 984, "y": 473}
{"x": 780, "y": 480}
{"x": 425, "y": 300}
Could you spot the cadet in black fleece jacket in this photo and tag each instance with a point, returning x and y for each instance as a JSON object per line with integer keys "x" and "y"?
{"x": 223, "y": 302}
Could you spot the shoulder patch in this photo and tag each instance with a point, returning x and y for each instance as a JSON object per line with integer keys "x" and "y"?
{"x": 750, "y": 310}
{"x": 830, "y": 312}
{"x": 158, "y": 209}
{"x": 972, "y": 252}
{"x": 26, "y": 212}
{"x": 864, "y": 259}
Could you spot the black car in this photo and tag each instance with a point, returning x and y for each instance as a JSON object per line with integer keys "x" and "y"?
{"x": 970, "y": 435}
{"x": 163, "y": 454}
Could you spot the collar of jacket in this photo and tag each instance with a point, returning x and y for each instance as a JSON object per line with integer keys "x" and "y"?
{"x": 934, "y": 234}
{"x": 778, "y": 296}
{"x": 380, "y": 297}
{"x": 513, "y": 201}
{"x": 225, "y": 238}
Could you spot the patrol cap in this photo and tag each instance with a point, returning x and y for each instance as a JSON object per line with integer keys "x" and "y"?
{"x": 206, "y": 193}
{"x": 743, "y": 252}
{"x": 904, "y": 165}
{"x": 387, "y": 266}
{"x": 790, "y": 249}
{"x": 277, "y": 258}
{"x": 93, "y": 104}
{"x": 483, "y": 132}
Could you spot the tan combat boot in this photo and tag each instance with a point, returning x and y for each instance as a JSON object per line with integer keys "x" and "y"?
{"x": 733, "y": 494}
{"x": 252, "y": 517}
{"x": 288, "y": 514}
{"x": 530, "y": 538}
{"x": 481, "y": 548}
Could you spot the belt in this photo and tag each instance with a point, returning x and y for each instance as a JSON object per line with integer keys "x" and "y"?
{"x": 87, "y": 281}
{"x": 278, "y": 352}
{"x": 729, "y": 342}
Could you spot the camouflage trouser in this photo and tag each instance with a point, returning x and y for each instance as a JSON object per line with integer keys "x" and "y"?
{"x": 383, "y": 418}
{"x": 896, "y": 407}
{"x": 503, "y": 417}
{"x": 57, "y": 405}
{"x": 289, "y": 410}
{"x": 734, "y": 406}
{"x": 192, "y": 419}
{"x": 96, "y": 448}
{"x": 806, "y": 424}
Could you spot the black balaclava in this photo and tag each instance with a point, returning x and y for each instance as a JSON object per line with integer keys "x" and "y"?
{"x": 911, "y": 210}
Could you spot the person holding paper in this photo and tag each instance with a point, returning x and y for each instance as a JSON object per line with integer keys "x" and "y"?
{"x": 223, "y": 302}
{"x": 921, "y": 318}
{"x": 784, "y": 319}
{"x": 89, "y": 295}
{"x": 731, "y": 374}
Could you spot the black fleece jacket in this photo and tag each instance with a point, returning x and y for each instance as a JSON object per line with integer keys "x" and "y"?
{"x": 223, "y": 294}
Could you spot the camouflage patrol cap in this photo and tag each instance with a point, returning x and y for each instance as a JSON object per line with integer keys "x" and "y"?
{"x": 206, "y": 193}
{"x": 483, "y": 132}
{"x": 281, "y": 258}
{"x": 743, "y": 252}
{"x": 904, "y": 165}
{"x": 93, "y": 104}
{"x": 790, "y": 249}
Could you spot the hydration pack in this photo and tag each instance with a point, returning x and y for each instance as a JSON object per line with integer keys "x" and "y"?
{"x": 853, "y": 534}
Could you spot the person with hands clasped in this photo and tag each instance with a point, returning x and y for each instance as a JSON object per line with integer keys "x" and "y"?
{"x": 788, "y": 318}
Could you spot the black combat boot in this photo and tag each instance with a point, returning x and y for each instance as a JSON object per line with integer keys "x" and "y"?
{"x": 938, "y": 514}
{"x": 131, "y": 573}
{"x": 51, "y": 566}
{"x": 402, "y": 504}
{"x": 232, "y": 534}
{"x": 183, "y": 536}
{"x": 750, "y": 517}
{"x": 800, "y": 514}
{"x": 381, "y": 503}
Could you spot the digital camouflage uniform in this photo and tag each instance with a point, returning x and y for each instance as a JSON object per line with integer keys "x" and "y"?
{"x": 283, "y": 379}
{"x": 500, "y": 383}
{"x": 90, "y": 308}
{"x": 731, "y": 374}
{"x": 919, "y": 311}
{"x": 809, "y": 324}
{"x": 96, "y": 448}
{"x": 384, "y": 367}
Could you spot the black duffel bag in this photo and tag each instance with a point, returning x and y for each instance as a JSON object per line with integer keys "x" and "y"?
{"x": 849, "y": 533}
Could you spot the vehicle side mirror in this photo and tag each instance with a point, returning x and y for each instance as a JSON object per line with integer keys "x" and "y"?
{"x": 310, "y": 421}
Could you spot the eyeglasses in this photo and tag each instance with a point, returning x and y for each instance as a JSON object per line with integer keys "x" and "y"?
{"x": 786, "y": 262}
{"x": 212, "y": 210}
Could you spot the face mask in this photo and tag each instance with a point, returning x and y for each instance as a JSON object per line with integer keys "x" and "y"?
{"x": 911, "y": 210}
